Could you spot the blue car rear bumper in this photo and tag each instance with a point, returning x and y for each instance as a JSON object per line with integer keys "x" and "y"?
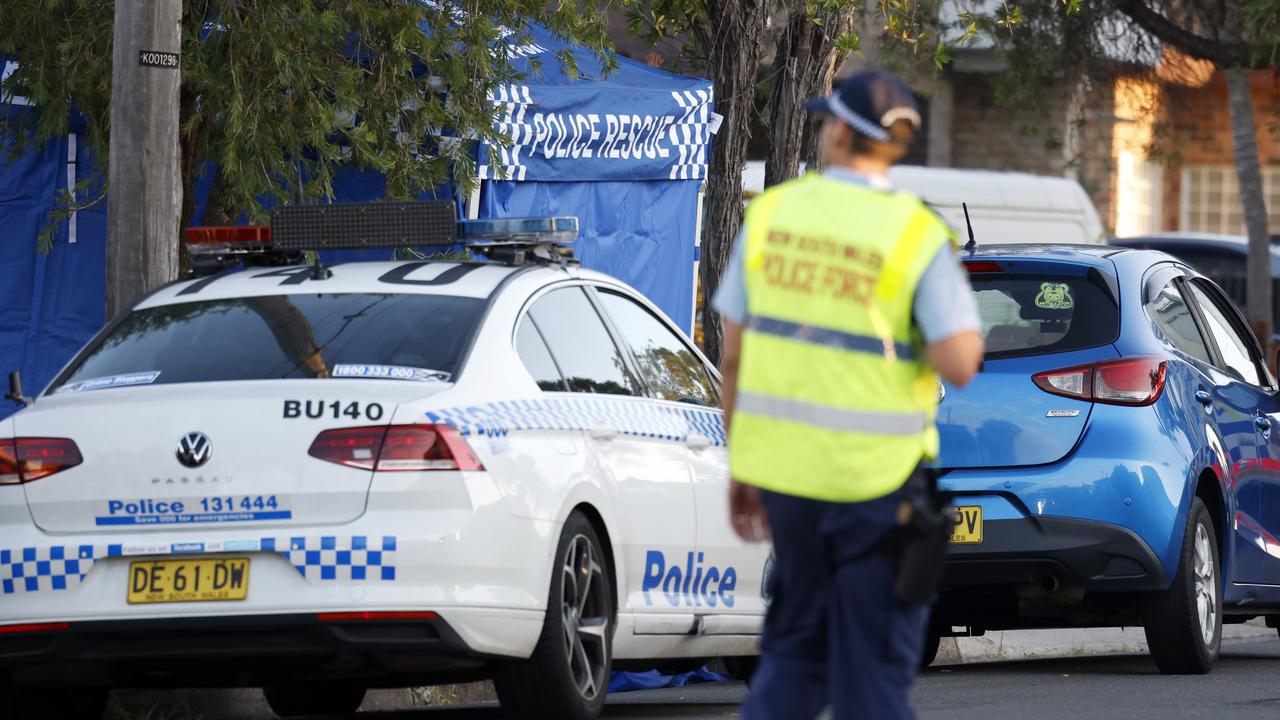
{"x": 1108, "y": 517}
{"x": 1051, "y": 552}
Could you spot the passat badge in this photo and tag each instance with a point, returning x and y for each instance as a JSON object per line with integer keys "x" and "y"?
{"x": 194, "y": 449}
{"x": 1062, "y": 413}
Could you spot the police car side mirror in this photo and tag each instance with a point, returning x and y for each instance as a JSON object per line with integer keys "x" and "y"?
{"x": 15, "y": 390}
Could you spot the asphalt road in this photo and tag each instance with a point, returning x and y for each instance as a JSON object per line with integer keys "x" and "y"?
{"x": 1244, "y": 685}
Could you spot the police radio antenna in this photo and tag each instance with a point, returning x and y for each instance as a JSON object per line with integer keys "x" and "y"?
{"x": 972, "y": 245}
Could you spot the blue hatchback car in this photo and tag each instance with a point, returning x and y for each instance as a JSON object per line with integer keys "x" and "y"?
{"x": 1117, "y": 459}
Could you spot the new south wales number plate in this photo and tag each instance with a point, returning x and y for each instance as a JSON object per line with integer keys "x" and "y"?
{"x": 968, "y": 528}
{"x": 193, "y": 580}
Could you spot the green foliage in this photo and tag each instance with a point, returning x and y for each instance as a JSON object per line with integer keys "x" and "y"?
{"x": 280, "y": 93}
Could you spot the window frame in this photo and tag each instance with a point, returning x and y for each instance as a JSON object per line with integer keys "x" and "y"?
{"x": 1157, "y": 280}
{"x": 1236, "y": 323}
{"x": 525, "y": 315}
{"x": 515, "y": 346}
{"x": 619, "y": 338}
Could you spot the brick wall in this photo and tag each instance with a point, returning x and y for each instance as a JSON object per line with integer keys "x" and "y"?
{"x": 989, "y": 137}
{"x": 1195, "y": 129}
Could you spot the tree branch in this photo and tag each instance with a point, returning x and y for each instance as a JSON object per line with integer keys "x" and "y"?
{"x": 1170, "y": 33}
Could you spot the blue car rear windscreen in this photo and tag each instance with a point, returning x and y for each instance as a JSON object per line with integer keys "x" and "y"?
{"x": 1043, "y": 314}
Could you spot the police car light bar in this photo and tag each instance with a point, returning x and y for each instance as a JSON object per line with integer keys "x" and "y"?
{"x": 518, "y": 231}
{"x": 370, "y": 225}
{"x": 239, "y": 240}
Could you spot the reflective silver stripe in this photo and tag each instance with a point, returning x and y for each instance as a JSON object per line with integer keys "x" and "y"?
{"x": 831, "y": 338}
{"x": 831, "y": 418}
{"x": 859, "y": 123}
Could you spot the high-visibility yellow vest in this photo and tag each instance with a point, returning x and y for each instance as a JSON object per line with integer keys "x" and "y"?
{"x": 834, "y": 399}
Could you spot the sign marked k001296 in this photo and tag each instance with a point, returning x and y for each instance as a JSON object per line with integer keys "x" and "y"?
{"x": 157, "y": 58}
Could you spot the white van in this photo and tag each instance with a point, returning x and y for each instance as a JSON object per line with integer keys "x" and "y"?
{"x": 1004, "y": 207}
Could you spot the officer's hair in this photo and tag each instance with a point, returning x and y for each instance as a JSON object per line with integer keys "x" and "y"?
{"x": 901, "y": 133}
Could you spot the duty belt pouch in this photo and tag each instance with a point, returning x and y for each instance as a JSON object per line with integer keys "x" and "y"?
{"x": 925, "y": 537}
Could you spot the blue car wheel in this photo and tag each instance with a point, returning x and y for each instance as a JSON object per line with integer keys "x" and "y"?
{"x": 1184, "y": 622}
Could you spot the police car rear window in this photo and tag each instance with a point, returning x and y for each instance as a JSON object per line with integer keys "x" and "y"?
{"x": 1042, "y": 314}
{"x": 394, "y": 336}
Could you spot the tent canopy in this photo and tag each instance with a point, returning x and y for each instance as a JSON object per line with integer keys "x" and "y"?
{"x": 625, "y": 153}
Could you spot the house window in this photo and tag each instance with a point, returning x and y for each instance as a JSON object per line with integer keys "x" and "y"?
{"x": 1138, "y": 203}
{"x": 1211, "y": 199}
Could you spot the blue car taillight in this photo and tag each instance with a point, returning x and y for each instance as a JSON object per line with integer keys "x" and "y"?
{"x": 1127, "y": 381}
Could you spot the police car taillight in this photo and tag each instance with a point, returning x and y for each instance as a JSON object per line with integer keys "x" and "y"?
{"x": 398, "y": 448}
{"x": 23, "y": 460}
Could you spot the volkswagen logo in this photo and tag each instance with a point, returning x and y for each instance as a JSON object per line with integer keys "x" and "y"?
{"x": 194, "y": 449}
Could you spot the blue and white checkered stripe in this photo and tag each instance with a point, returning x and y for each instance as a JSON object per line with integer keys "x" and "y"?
{"x": 638, "y": 418}
{"x": 691, "y": 135}
{"x": 514, "y": 100}
{"x": 358, "y": 558}
{"x": 54, "y": 567}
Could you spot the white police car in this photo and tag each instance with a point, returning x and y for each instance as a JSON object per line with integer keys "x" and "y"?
{"x": 324, "y": 479}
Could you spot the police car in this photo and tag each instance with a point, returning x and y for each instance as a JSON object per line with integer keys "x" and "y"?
{"x": 320, "y": 479}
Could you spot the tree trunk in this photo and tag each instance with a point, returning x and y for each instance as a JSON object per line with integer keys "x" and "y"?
{"x": 803, "y": 67}
{"x": 733, "y": 43}
{"x": 1244, "y": 135}
{"x": 144, "y": 203}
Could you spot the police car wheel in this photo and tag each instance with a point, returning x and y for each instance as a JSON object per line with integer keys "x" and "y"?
{"x": 567, "y": 676}
{"x": 1183, "y": 623}
{"x": 301, "y": 700}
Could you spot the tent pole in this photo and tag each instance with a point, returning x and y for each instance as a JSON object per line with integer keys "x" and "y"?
{"x": 697, "y": 255}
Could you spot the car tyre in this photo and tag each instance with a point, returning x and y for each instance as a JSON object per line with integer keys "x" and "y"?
{"x": 567, "y": 677}
{"x": 1183, "y": 623}
{"x": 303, "y": 700}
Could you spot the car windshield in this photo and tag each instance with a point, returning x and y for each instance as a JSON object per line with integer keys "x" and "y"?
{"x": 392, "y": 336}
{"x": 1042, "y": 314}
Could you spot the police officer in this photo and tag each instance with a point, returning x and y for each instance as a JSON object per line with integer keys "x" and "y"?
{"x": 842, "y": 303}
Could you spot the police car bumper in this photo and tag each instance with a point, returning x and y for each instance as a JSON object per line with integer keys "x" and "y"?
{"x": 481, "y": 574}
{"x": 1051, "y": 553}
{"x": 228, "y": 651}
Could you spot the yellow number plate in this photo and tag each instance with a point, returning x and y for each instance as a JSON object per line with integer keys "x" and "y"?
{"x": 194, "y": 580}
{"x": 968, "y": 529}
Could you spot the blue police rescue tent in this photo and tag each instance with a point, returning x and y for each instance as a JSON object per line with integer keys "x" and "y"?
{"x": 626, "y": 154}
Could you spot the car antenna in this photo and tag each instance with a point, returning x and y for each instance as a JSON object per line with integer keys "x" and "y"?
{"x": 972, "y": 245}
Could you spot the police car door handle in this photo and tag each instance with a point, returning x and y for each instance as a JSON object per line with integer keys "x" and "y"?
{"x": 697, "y": 442}
{"x": 1204, "y": 398}
{"x": 600, "y": 432}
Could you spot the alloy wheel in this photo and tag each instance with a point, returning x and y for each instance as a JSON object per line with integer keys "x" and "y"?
{"x": 586, "y": 617}
{"x": 1205, "y": 585}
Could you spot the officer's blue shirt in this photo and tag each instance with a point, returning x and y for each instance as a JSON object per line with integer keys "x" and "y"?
{"x": 943, "y": 305}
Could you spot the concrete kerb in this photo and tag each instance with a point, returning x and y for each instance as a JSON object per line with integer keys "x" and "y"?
{"x": 1030, "y": 644}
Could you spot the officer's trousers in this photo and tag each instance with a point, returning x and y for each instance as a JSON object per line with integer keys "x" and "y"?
{"x": 835, "y": 636}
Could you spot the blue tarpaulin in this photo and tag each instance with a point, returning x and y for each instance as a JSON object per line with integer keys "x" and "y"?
{"x": 626, "y": 154}
{"x": 50, "y": 304}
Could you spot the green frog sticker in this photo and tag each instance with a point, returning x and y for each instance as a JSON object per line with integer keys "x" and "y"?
{"x": 1054, "y": 296}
